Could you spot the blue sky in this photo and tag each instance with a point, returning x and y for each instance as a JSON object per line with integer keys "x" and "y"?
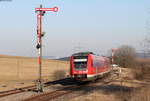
{"x": 80, "y": 25}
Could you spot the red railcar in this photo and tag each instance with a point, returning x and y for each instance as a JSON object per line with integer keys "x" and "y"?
{"x": 87, "y": 66}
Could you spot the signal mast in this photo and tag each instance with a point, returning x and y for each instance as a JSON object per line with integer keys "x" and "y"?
{"x": 112, "y": 55}
{"x": 40, "y": 12}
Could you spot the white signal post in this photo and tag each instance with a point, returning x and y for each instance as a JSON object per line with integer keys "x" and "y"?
{"x": 40, "y": 12}
{"x": 112, "y": 55}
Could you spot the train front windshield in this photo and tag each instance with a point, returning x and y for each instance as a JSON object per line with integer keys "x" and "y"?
{"x": 80, "y": 62}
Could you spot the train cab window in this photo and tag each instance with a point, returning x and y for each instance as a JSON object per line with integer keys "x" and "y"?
{"x": 80, "y": 65}
{"x": 80, "y": 62}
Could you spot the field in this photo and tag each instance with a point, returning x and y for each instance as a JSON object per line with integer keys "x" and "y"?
{"x": 22, "y": 71}
{"x": 19, "y": 72}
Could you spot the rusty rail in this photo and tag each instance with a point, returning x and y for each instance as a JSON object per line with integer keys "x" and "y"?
{"x": 17, "y": 90}
{"x": 51, "y": 95}
{"x": 58, "y": 93}
{"x": 28, "y": 88}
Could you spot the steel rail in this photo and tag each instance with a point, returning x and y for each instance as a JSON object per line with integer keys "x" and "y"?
{"x": 58, "y": 93}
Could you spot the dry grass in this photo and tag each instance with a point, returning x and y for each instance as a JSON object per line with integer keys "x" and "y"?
{"x": 143, "y": 60}
{"x": 23, "y": 69}
{"x": 142, "y": 69}
{"x": 141, "y": 95}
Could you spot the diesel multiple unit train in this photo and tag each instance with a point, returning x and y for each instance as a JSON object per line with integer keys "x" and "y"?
{"x": 87, "y": 66}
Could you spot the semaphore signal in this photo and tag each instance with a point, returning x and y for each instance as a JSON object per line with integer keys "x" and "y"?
{"x": 54, "y": 9}
{"x": 40, "y": 12}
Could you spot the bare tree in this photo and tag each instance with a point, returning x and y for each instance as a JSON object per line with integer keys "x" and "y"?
{"x": 145, "y": 46}
{"x": 125, "y": 56}
{"x": 147, "y": 43}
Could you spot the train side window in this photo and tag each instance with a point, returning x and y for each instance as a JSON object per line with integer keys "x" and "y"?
{"x": 97, "y": 63}
{"x": 101, "y": 64}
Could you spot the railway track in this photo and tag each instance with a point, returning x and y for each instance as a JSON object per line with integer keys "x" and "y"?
{"x": 61, "y": 92}
{"x": 51, "y": 95}
{"x": 17, "y": 90}
{"x": 58, "y": 93}
{"x": 54, "y": 95}
{"x": 30, "y": 88}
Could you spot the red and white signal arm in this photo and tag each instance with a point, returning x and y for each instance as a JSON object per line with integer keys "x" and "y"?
{"x": 54, "y": 9}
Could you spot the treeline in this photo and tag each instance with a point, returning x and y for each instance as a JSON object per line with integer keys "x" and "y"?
{"x": 125, "y": 56}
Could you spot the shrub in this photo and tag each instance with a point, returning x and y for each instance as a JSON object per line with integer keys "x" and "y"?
{"x": 59, "y": 74}
{"x": 125, "y": 56}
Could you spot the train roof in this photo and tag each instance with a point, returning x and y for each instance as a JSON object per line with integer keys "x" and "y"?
{"x": 82, "y": 54}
